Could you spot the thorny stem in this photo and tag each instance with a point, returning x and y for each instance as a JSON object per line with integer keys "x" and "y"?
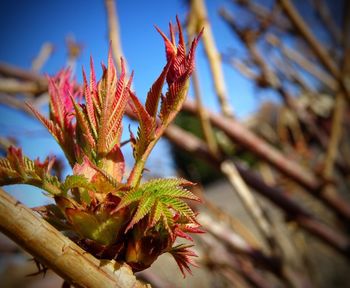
{"x": 63, "y": 256}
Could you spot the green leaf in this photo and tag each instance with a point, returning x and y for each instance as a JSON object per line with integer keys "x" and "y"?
{"x": 130, "y": 197}
{"x": 173, "y": 187}
{"x": 144, "y": 207}
{"x": 19, "y": 169}
{"x": 179, "y": 206}
{"x": 76, "y": 181}
{"x": 159, "y": 198}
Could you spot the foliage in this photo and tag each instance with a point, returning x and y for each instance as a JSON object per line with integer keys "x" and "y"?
{"x": 111, "y": 215}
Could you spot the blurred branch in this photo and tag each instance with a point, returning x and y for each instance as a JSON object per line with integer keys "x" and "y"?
{"x": 114, "y": 33}
{"x": 267, "y": 77}
{"x": 247, "y": 139}
{"x": 44, "y": 54}
{"x": 262, "y": 13}
{"x": 248, "y": 199}
{"x": 13, "y": 86}
{"x": 235, "y": 244}
{"x": 324, "y": 13}
{"x": 294, "y": 211}
{"x": 303, "y": 62}
{"x": 315, "y": 45}
{"x": 22, "y": 74}
{"x": 198, "y": 19}
{"x": 198, "y": 16}
{"x": 15, "y": 103}
{"x": 309, "y": 37}
{"x": 59, "y": 253}
{"x": 338, "y": 115}
{"x": 336, "y": 132}
{"x": 233, "y": 223}
{"x": 219, "y": 258}
{"x": 203, "y": 116}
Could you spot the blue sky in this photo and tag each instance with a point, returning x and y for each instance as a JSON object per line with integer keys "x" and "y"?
{"x": 26, "y": 25}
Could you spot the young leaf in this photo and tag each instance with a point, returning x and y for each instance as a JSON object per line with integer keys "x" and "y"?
{"x": 76, "y": 181}
{"x": 155, "y": 92}
{"x": 182, "y": 256}
{"x": 18, "y": 169}
{"x": 156, "y": 197}
{"x": 146, "y": 129}
{"x": 180, "y": 68}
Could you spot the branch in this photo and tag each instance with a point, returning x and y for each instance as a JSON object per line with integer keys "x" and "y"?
{"x": 303, "y": 62}
{"x": 199, "y": 16}
{"x": 312, "y": 41}
{"x": 248, "y": 140}
{"x": 309, "y": 37}
{"x": 114, "y": 34}
{"x": 59, "y": 253}
{"x": 293, "y": 210}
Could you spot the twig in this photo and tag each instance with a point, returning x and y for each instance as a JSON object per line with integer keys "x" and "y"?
{"x": 14, "y": 86}
{"x": 74, "y": 50}
{"x": 114, "y": 33}
{"x": 13, "y": 102}
{"x": 262, "y": 13}
{"x": 336, "y": 132}
{"x": 247, "y": 139}
{"x": 235, "y": 242}
{"x": 339, "y": 107}
{"x": 233, "y": 223}
{"x": 199, "y": 16}
{"x": 317, "y": 47}
{"x": 294, "y": 211}
{"x": 253, "y": 208}
{"x": 16, "y": 72}
{"x": 303, "y": 62}
{"x": 59, "y": 253}
{"x": 44, "y": 54}
{"x": 249, "y": 201}
{"x": 242, "y": 68}
{"x": 208, "y": 132}
{"x": 306, "y": 33}
{"x": 322, "y": 10}
{"x": 338, "y": 116}
{"x": 219, "y": 258}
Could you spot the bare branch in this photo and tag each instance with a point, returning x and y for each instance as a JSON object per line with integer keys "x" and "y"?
{"x": 114, "y": 33}
{"x": 199, "y": 16}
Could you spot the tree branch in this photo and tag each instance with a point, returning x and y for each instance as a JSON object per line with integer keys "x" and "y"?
{"x": 59, "y": 253}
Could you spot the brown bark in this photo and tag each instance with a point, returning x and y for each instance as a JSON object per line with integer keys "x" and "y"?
{"x": 58, "y": 252}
